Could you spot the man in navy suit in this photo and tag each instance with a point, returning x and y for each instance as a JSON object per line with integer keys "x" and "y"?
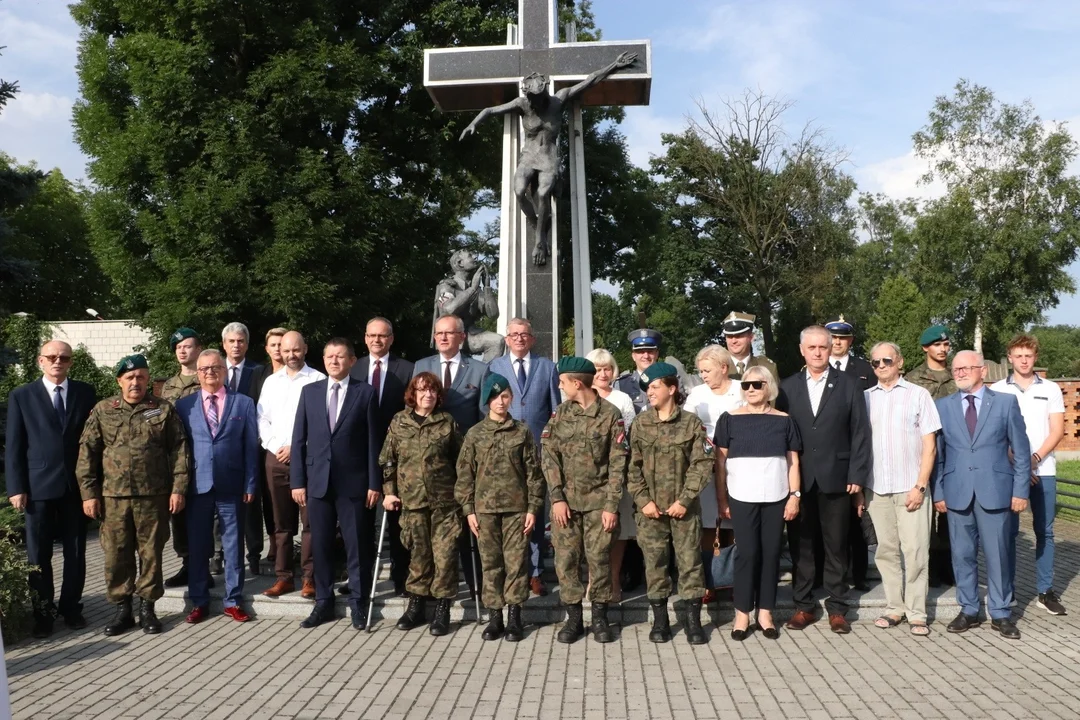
{"x": 335, "y": 473}
{"x": 979, "y": 485}
{"x": 462, "y": 377}
{"x": 235, "y": 339}
{"x": 44, "y": 421}
{"x": 223, "y": 432}
{"x": 535, "y": 383}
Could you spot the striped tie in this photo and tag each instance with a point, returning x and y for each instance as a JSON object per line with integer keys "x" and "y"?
{"x": 212, "y": 416}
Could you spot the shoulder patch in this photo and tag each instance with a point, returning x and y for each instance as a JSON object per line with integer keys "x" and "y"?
{"x": 707, "y": 445}
{"x": 116, "y": 404}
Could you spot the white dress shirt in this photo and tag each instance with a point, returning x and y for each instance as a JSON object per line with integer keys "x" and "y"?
{"x": 330, "y": 382}
{"x": 231, "y": 369}
{"x": 816, "y": 388}
{"x": 383, "y": 362}
{"x": 51, "y": 387}
{"x": 842, "y": 360}
{"x": 277, "y": 405}
{"x": 514, "y": 365}
{"x": 455, "y": 365}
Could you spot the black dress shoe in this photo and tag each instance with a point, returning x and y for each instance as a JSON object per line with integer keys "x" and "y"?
{"x": 43, "y": 625}
{"x": 963, "y": 623}
{"x": 861, "y": 586}
{"x": 180, "y": 579}
{"x": 253, "y": 567}
{"x": 318, "y": 616}
{"x": 1007, "y": 628}
{"x": 770, "y": 633}
{"x": 739, "y": 635}
{"x": 343, "y": 589}
{"x": 359, "y": 615}
{"x": 75, "y": 620}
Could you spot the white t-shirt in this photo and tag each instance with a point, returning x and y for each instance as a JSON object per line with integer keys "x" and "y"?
{"x": 709, "y": 406}
{"x": 1037, "y": 403}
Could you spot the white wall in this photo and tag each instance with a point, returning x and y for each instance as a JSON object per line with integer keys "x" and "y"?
{"x": 107, "y": 341}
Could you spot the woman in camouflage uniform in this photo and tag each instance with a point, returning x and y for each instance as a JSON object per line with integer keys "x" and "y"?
{"x": 671, "y": 461}
{"x": 418, "y": 461}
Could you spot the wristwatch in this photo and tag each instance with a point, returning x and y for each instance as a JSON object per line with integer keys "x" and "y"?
{"x": 921, "y": 489}
{"x": 795, "y": 493}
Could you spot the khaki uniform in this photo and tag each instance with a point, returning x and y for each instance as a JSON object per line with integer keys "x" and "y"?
{"x": 939, "y": 383}
{"x": 499, "y": 479}
{"x": 584, "y": 461}
{"x": 670, "y": 460}
{"x": 132, "y": 458}
{"x": 754, "y": 361}
{"x": 179, "y": 386}
{"x": 418, "y": 467}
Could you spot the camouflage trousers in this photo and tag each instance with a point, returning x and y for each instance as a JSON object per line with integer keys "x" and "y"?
{"x": 583, "y": 538}
{"x": 130, "y": 527}
{"x": 685, "y": 536}
{"x": 503, "y": 549}
{"x": 430, "y": 535}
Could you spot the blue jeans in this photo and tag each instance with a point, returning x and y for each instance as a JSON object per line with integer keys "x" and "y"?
{"x": 1043, "y": 502}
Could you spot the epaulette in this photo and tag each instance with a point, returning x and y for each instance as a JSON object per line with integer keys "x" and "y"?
{"x": 116, "y": 404}
{"x": 625, "y": 373}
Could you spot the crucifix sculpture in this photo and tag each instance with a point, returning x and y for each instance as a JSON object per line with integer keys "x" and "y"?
{"x": 554, "y": 76}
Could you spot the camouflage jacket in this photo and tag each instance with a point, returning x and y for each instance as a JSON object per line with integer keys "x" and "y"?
{"x": 499, "y": 469}
{"x": 754, "y": 361}
{"x": 418, "y": 460}
{"x": 939, "y": 383}
{"x": 669, "y": 459}
{"x": 179, "y": 386}
{"x": 132, "y": 450}
{"x": 584, "y": 456}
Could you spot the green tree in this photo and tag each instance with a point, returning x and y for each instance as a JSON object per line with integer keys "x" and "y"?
{"x": 992, "y": 254}
{"x": 1059, "y": 349}
{"x": 901, "y": 313}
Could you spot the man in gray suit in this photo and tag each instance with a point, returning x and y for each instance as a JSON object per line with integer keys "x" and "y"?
{"x": 535, "y": 383}
{"x": 461, "y": 377}
{"x": 980, "y": 486}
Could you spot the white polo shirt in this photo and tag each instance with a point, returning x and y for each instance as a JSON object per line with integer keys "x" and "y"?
{"x": 1037, "y": 403}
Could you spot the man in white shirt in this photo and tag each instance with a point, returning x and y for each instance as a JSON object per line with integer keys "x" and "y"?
{"x": 1043, "y": 409}
{"x": 277, "y": 411}
{"x": 904, "y": 423}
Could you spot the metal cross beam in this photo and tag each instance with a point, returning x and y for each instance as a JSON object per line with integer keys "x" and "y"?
{"x": 473, "y": 78}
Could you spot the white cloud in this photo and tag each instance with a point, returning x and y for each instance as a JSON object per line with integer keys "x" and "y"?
{"x": 33, "y": 45}
{"x": 643, "y": 127}
{"x": 898, "y": 177}
{"x": 37, "y": 127}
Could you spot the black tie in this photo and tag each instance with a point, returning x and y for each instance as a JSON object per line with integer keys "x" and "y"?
{"x": 232, "y": 380}
{"x": 446, "y": 376}
{"x": 970, "y": 416}
{"x": 58, "y": 404}
{"x": 521, "y": 374}
{"x": 837, "y": 365}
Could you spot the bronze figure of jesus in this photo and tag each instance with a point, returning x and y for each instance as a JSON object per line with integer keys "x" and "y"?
{"x": 538, "y": 165}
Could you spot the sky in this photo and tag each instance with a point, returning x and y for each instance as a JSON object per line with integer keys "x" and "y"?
{"x": 866, "y": 73}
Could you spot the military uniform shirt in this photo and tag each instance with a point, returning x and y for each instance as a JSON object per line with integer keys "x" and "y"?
{"x": 584, "y": 456}
{"x": 179, "y": 386}
{"x": 418, "y": 460}
{"x": 669, "y": 459}
{"x": 498, "y": 470}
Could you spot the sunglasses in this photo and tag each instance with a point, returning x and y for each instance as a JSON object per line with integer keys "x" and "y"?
{"x": 755, "y": 384}
{"x": 883, "y": 362}
{"x": 57, "y": 358}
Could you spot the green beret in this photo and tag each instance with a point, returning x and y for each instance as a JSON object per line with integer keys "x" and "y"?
{"x": 574, "y": 364}
{"x": 494, "y": 384}
{"x": 933, "y": 334}
{"x": 131, "y": 362}
{"x": 181, "y": 335}
{"x": 655, "y": 372}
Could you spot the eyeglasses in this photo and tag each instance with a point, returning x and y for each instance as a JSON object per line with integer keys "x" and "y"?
{"x": 883, "y": 362}
{"x": 755, "y": 384}
{"x": 965, "y": 369}
{"x": 62, "y": 359}
{"x": 210, "y": 369}
{"x": 447, "y": 333}
{"x": 377, "y": 336}
{"x": 519, "y": 336}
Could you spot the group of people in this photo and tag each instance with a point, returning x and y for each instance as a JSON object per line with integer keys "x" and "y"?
{"x": 468, "y": 460}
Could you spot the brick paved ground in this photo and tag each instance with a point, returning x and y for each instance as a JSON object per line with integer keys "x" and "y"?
{"x": 271, "y": 668}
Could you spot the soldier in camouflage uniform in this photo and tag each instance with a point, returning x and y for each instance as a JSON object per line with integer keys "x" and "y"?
{"x": 671, "y": 461}
{"x": 501, "y": 489}
{"x": 584, "y": 461}
{"x": 132, "y": 473}
{"x": 418, "y": 457}
{"x": 186, "y": 345}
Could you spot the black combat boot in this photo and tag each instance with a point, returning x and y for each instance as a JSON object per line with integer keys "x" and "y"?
{"x": 148, "y": 619}
{"x": 694, "y": 634}
{"x": 440, "y": 624}
{"x": 573, "y": 628}
{"x": 661, "y": 626}
{"x": 514, "y": 633}
{"x": 601, "y": 631}
{"x": 494, "y": 629}
{"x": 414, "y": 614}
{"x": 123, "y": 620}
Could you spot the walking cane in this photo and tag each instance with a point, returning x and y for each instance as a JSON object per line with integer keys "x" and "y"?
{"x": 375, "y": 578}
{"x": 474, "y": 558}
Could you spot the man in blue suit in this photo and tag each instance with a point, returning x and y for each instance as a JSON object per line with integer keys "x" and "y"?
{"x": 223, "y": 431}
{"x": 44, "y": 422}
{"x": 978, "y": 485}
{"x": 461, "y": 377}
{"x": 535, "y": 383}
{"x": 335, "y": 473}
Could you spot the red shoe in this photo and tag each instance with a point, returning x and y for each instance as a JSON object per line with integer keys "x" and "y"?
{"x": 199, "y": 614}
{"x": 237, "y": 613}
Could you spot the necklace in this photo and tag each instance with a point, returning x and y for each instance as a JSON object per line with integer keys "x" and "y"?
{"x": 766, "y": 411}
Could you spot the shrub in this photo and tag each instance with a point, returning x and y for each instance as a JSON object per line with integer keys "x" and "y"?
{"x": 16, "y": 598}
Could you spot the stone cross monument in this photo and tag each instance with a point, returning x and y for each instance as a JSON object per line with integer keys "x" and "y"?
{"x": 491, "y": 79}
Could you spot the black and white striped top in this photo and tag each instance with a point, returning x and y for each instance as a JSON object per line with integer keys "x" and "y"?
{"x": 757, "y": 446}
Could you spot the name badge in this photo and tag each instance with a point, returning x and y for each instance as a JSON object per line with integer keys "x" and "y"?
{"x": 151, "y": 413}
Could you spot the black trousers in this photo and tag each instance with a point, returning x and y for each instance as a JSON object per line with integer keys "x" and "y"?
{"x": 857, "y": 549}
{"x": 831, "y": 514}
{"x": 759, "y": 533}
{"x": 325, "y": 515}
{"x": 47, "y": 521}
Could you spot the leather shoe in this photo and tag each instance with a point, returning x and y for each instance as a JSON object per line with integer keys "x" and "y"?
{"x": 308, "y": 590}
{"x": 839, "y": 624}
{"x": 738, "y": 635}
{"x": 180, "y": 579}
{"x": 343, "y": 589}
{"x": 281, "y": 587}
{"x": 962, "y": 623}
{"x": 43, "y": 625}
{"x": 359, "y": 615}
{"x": 75, "y": 620}
{"x": 1007, "y": 628}
{"x": 237, "y": 613}
{"x": 253, "y": 567}
{"x": 800, "y": 620}
{"x": 861, "y": 585}
{"x": 770, "y": 633}
{"x": 536, "y": 586}
{"x": 200, "y": 613}
{"x": 217, "y": 565}
{"x": 318, "y": 616}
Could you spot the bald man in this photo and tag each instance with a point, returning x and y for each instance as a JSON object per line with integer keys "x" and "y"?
{"x": 278, "y": 401}
{"x": 44, "y": 421}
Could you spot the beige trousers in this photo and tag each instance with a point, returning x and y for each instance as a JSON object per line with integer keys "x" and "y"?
{"x": 902, "y": 535}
